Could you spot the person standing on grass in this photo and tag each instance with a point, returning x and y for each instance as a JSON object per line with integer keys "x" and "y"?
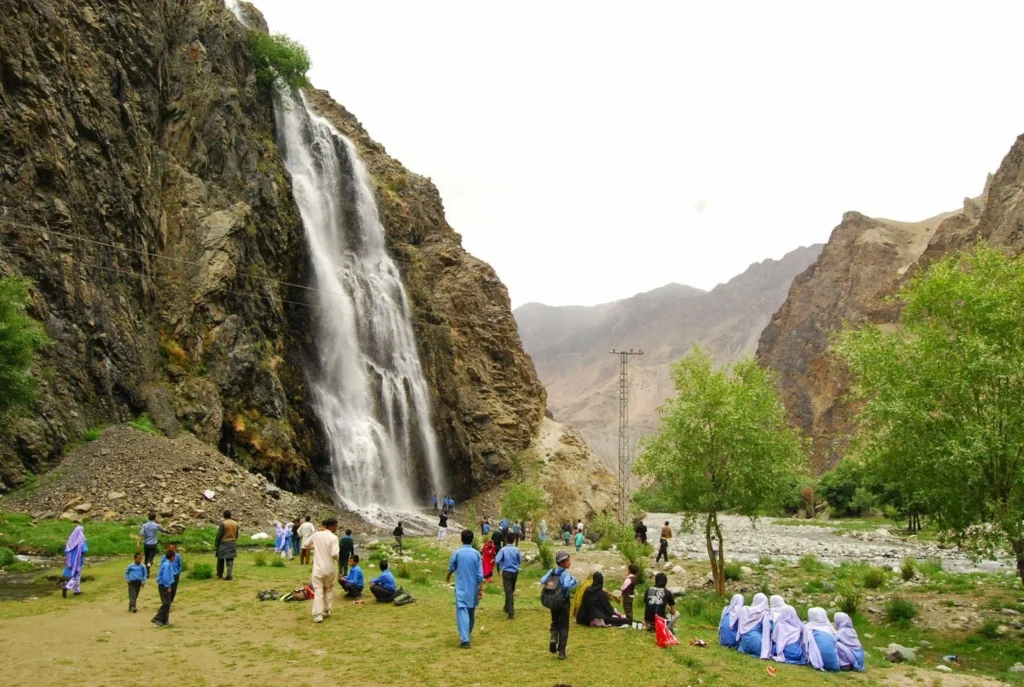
{"x": 579, "y": 540}
{"x": 352, "y": 581}
{"x": 498, "y": 537}
{"x": 560, "y": 615}
{"x": 164, "y": 583}
{"x": 74, "y": 559}
{"x": 325, "y": 569}
{"x": 666, "y": 534}
{"x": 148, "y": 538}
{"x": 226, "y": 545}
{"x": 509, "y": 560}
{"x": 297, "y": 539}
{"x": 135, "y": 576}
{"x": 177, "y": 569}
{"x": 442, "y": 527}
{"x": 628, "y": 590}
{"x": 348, "y": 547}
{"x": 399, "y": 534}
{"x": 306, "y": 530}
{"x": 488, "y": 554}
{"x": 435, "y": 501}
{"x": 467, "y": 566}
{"x": 383, "y": 587}
{"x": 517, "y": 533}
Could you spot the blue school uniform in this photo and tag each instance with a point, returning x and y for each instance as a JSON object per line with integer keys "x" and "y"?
{"x": 794, "y": 653}
{"x": 750, "y": 643}
{"x": 727, "y": 635}
{"x": 468, "y": 567}
{"x": 827, "y": 647}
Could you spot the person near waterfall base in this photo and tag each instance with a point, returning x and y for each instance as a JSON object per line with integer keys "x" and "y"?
{"x": 325, "y": 569}
{"x": 467, "y": 566}
{"x": 442, "y": 527}
{"x": 225, "y": 545}
{"x": 74, "y": 559}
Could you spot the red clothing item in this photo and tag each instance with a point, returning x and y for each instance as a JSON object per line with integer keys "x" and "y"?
{"x": 489, "y": 552}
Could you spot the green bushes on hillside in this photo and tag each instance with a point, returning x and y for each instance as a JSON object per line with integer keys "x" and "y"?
{"x": 277, "y": 56}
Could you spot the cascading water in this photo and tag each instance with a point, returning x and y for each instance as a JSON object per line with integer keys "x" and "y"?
{"x": 369, "y": 391}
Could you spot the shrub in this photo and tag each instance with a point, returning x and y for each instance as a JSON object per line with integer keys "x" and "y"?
{"x": 279, "y": 57}
{"x": 908, "y": 566}
{"x": 144, "y": 423}
{"x": 21, "y": 337}
{"x": 260, "y": 559}
{"x": 92, "y": 434}
{"x": 546, "y": 554}
{"x": 606, "y": 530}
{"x": 6, "y": 556}
{"x": 277, "y": 562}
{"x": 891, "y": 512}
{"x": 930, "y": 566}
{"x": 810, "y": 563}
{"x": 421, "y": 578}
{"x": 635, "y": 553}
{"x": 733, "y": 571}
{"x": 875, "y": 578}
{"x": 990, "y": 630}
{"x": 707, "y": 608}
{"x": 851, "y": 596}
{"x": 765, "y": 560}
{"x": 900, "y": 610}
{"x": 201, "y": 571}
{"x": 402, "y": 570}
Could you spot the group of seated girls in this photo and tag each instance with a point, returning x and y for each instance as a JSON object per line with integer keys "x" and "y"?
{"x": 773, "y": 630}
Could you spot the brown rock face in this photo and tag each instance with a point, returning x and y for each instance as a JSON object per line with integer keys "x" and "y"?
{"x": 865, "y": 261}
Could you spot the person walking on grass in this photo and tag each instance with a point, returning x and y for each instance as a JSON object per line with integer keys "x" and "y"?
{"x": 148, "y": 538}
{"x": 399, "y": 534}
{"x": 177, "y": 569}
{"x": 226, "y": 545}
{"x": 164, "y": 583}
{"x": 325, "y": 569}
{"x": 509, "y": 560}
{"x": 297, "y": 539}
{"x": 352, "y": 581}
{"x": 383, "y": 587}
{"x": 442, "y": 527}
{"x": 467, "y": 566}
{"x": 562, "y": 585}
{"x": 348, "y": 547}
{"x": 666, "y": 534}
{"x": 579, "y": 540}
{"x": 135, "y": 575}
{"x": 74, "y": 559}
{"x": 306, "y": 530}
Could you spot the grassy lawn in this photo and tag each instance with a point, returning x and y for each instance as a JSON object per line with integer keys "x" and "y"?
{"x": 221, "y": 634}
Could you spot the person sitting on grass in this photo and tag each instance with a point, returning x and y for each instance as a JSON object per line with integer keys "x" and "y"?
{"x": 730, "y": 622}
{"x": 754, "y": 631}
{"x": 848, "y": 646}
{"x": 788, "y": 637}
{"x": 659, "y": 601}
{"x": 352, "y": 581}
{"x": 596, "y": 610}
{"x": 820, "y": 641}
{"x": 383, "y": 587}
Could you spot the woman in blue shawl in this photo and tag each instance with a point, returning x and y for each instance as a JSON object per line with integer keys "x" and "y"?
{"x": 74, "y": 559}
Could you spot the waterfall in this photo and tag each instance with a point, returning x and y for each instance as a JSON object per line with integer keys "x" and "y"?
{"x": 369, "y": 391}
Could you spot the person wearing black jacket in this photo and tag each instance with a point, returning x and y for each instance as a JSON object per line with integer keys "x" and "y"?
{"x": 399, "y": 533}
{"x": 595, "y": 609}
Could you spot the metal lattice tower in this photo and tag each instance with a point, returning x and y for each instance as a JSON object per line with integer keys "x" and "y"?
{"x": 624, "y": 448}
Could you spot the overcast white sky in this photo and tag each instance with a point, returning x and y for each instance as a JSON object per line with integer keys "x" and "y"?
{"x": 592, "y": 150}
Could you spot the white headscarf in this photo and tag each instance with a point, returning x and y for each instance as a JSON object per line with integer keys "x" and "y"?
{"x": 733, "y": 609}
{"x": 846, "y": 639}
{"x": 817, "y": 619}
{"x": 757, "y": 614}
{"x": 775, "y": 604}
{"x": 788, "y": 629}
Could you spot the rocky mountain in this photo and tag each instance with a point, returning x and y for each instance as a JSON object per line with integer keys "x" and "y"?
{"x": 864, "y": 261}
{"x": 145, "y": 196}
{"x": 570, "y": 345}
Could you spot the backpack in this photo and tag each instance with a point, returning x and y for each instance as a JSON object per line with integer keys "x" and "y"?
{"x": 552, "y": 595}
{"x": 303, "y": 593}
{"x": 402, "y": 598}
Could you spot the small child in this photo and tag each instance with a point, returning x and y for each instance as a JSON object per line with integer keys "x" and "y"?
{"x": 579, "y": 540}
{"x": 135, "y": 576}
{"x": 628, "y": 590}
{"x": 177, "y": 569}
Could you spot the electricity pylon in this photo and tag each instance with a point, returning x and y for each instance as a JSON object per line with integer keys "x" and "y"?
{"x": 624, "y": 448}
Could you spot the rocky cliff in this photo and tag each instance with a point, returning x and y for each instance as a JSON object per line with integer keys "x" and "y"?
{"x": 570, "y": 345}
{"x": 143, "y": 193}
{"x": 864, "y": 261}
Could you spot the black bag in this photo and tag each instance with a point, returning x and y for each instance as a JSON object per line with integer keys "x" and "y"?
{"x": 552, "y": 595}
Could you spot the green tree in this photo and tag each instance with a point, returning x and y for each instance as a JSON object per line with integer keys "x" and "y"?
{"x": 524, "y": 502}
{"x": 942, "y": 418}
{"x": 277, "y": 56}
{"x": 21, "y": 337}
{"x": 723, "y": 444}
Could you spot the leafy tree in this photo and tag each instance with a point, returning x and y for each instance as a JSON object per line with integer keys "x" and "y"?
{"x": 942, "y": 418}
{"x": 21, "y": 337}
{"x": 723, "y": 444}
{"x": 524, "y": 502}
{"x": 277, "y": 56}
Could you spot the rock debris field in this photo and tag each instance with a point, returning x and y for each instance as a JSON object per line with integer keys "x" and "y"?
{"x": 745, "y": 541}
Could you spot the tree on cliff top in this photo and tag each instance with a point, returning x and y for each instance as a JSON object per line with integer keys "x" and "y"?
{"x": 21, "y": 337}
{"x": 277, "y": 56}
{"x": 942, "y": 417}
{"x": 724, "y": 444}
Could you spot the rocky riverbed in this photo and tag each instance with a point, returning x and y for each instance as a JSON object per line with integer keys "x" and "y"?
{"x": 747, "y": 541}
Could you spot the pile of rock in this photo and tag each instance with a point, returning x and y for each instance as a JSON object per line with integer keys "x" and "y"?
{"x": 127, "y": 473}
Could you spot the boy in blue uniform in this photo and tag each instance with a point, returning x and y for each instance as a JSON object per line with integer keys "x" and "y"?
{"x": 509, "y": 560}
{"x": 560, "y": 616}
{"x": 383, "y": 586}
{"x": 468, "y": 568}
{"x": 135, "y": 576}
{"x": 164, "y": 582}
{"x": 352, "y": 582}
{"x": 177, "y": 569}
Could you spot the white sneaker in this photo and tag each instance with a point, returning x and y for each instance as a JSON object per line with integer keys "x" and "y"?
{"x": 318, "y": 618}
{"x": 327, "y": 614}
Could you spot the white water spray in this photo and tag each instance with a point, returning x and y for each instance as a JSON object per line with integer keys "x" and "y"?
{"x": 369, "y": 391}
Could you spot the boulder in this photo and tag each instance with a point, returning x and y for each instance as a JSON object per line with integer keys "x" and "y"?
{"x": 271, "y": 490}
{"x": 677, "y": 592}
{"x": 1017, "y": 667}
{"x": 260, "y": 535}
{"x": 746, "y": 570}
{"x": 115, "y": 495}
{"x": 83, "y": 507}
{"x": 896, "y": 653}
{"x": 678, "y": 570}
{"x": 1009, "y": 611}
{"x": 943, "y": 668}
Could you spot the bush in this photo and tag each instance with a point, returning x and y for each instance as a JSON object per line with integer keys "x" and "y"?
{"x": 92, "y": 434}
{"x": 606, "y": 530}
{"x": 144, "y": 423}
{"x": 421, "y": 578}
{"x": 990, "y": 630}
{"x": 733, "y": 572}
{"x": 810, "y": 563}
{"x": 900, "y": 610}
{"x": 6, "y": 556}
{"x": 701, "y": 607}
{"x": 765, "y": 560}
{"x": 635, "y": 553}
{"x": 875, "y": 578}
{"x": 260, "y": 559}
{"x": 402, "y": 570}
{"x": 930, "y": 566}
{"x": 524, "y": 501}
{"x": 278, "y": 562}
{"x": 201, "y": 571}
{"x": 279, "y": 57}
{"x": 21, "y": 337}
{"x": 546, "y": 554}
{"x": 891, "y": 512}
{"x": 652, "y": 500}
{"x": 908, "y": 566}
{"x": 851, "y": 597}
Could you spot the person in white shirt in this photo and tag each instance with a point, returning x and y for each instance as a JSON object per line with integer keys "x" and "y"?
{"x": 325, "y": 548}
{"x": 306, "y": 531}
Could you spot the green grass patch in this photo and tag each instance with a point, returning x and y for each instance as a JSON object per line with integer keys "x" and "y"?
{"x": 875, "y": 578}
{"x": 6, "y": 557}
{"x": 765, "y": 560}
{"x": 260, "y": 560}
{"x": 733, "y": 571}
{"x": 144, "y": 423}
{"x": 908, "y": 568}
{"x": 201, "y": 571}
{"x": 900, "y": 610}
{"x": 989, "y": 630}
{"x": 278, "y": 562}
{"x": 811, "y": 564}
{"x": 930, "y": 566}
{"x": 93, "y": 434}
